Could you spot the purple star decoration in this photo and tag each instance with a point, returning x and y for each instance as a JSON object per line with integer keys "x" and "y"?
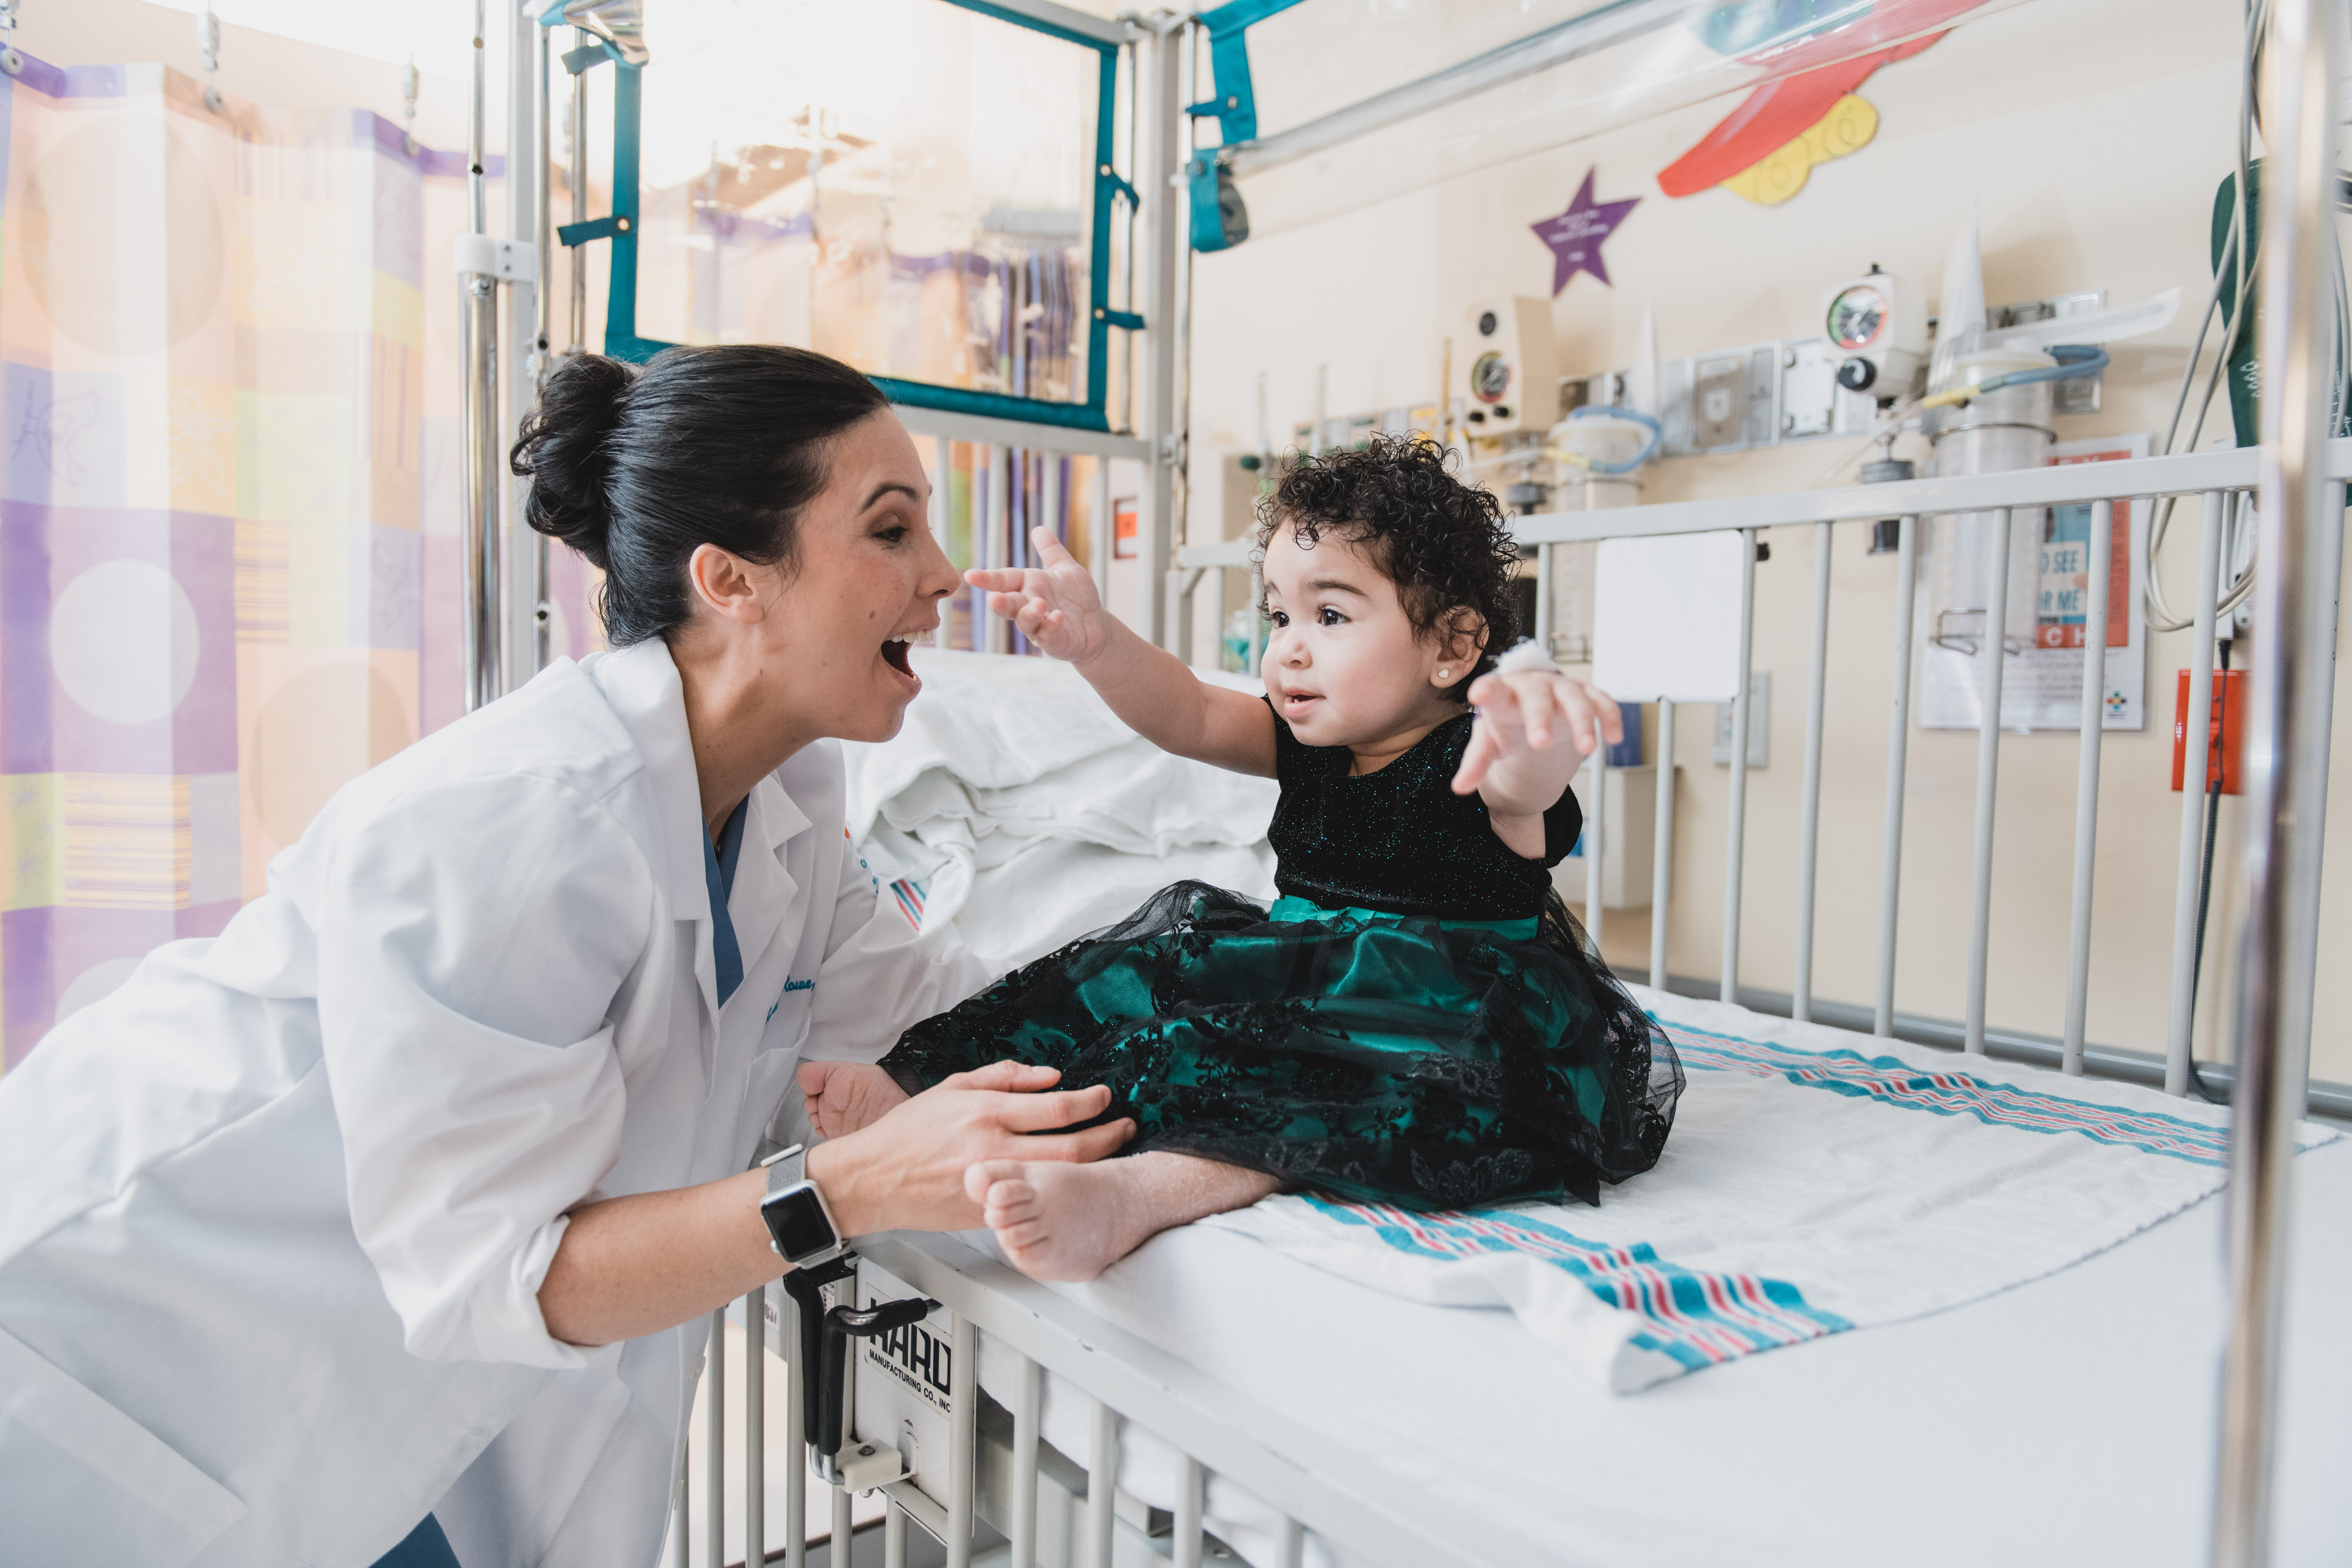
{"x": 1575, "y": 235}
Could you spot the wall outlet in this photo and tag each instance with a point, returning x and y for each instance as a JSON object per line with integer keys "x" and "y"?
{"x": 1760, "y": 722}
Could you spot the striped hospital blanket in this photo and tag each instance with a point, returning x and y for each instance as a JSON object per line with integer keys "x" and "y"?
{"x": 1817, "y": 1181}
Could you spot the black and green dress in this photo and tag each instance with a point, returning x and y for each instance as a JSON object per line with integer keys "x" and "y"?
{"x": 1417, "y": 1020}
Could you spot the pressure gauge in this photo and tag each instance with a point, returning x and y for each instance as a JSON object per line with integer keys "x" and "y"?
{"x": 1856, "y": 318}
{"x": 1490, "y": 378}
{"x": 1509, "y": 381}
{"x": 1877, "y": 333}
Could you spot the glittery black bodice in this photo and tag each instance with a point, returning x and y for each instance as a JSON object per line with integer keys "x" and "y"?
{"x": 1401, "y": 840}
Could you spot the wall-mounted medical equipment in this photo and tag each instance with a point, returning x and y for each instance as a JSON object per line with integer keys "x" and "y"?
{"x": 1877, "y": 327}
{"x": 1511, "y": 374}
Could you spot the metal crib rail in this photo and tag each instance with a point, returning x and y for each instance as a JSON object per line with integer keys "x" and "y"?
{"x": 1213, "y": 1428}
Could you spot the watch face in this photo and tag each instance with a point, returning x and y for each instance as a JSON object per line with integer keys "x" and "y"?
{"x": 1857, "y": 317}
{"x": 1490, "y": 378}
{"x": 798, "y": 1223}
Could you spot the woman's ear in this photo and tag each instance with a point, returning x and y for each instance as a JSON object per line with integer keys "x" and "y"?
{"x": 723, "y": 582}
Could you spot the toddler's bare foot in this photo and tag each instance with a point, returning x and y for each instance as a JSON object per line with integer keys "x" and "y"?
{"x": 1056, "y": 1220}
{"x": 840, "y": 1097}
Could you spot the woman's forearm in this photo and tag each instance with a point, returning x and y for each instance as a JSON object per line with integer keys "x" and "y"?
{"x": 637, "y": 1265}
{"x": 631, "y": 1266}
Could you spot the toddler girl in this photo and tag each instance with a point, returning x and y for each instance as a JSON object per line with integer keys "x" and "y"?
{"x": 1417, "y": 1020}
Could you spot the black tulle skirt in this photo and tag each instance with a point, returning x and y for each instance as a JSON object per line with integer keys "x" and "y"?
{"x": 1385, "y": 1058}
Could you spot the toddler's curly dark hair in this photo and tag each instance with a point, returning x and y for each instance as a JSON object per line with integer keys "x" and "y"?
{"x": 1443, "y": 543}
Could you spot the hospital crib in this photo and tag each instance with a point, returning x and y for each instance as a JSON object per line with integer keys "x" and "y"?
{"x": 1049, "y": 1507}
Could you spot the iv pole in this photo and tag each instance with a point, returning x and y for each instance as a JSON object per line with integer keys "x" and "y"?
{"x": 478, "y": 326}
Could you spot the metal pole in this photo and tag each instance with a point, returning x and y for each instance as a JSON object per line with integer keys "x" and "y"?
{"x": 2087, "y": 780}
{"x": 894, "y": 1537}
{"x": 577, "y": 177}
{"x": 963, "y": 1405}
{"x": 1124, "y": 419}
{"x": 676, "y": 1549}
{"x": 755, "y": 1426}
{"x": 2327, "y": 577}
{"x": 1104, "y": 540}
{"x": 1736, "y": 835}
{"x": 2179, "y": 1037}
{"x": 841, "y": 1536}
{"x": 1898, "y": 752}
{"x": 1595, "y": 836}
{"x": 1185, "y": 1540}
{"x": 1543, "y": 599}
{"x": 1157, "y": 181}
{"x": 797, "y": 1466}
{"x": 526, "y": 619}
{"x": 1102, "y": 1486}
{"x": 1661, "y": 853}
{"x": 1994, "y": 648}
{"x": 1021, "y": 1529}
{"x": 1809, "y": 819}
{"x": 479, "y": 419}
{"x": 942, "y": 484}
{"x": 1000, "y": 539}
{"x": 2286, "y": 801}
{"x": 714, "y": 1443}
{"x": 1055, "y": 519}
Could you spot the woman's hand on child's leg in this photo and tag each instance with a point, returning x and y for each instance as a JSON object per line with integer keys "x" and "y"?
{"x": 1055, "y": 604}
{"x": 843, "y": 1096}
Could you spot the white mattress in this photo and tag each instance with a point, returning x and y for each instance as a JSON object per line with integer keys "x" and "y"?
{"x": 2067, "y": 1421}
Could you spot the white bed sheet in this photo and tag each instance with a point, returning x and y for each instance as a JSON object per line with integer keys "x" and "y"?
{"x": 2069, "y": 1421}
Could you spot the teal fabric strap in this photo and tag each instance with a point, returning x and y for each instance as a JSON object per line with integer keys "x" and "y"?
{"x": 1291, "y": 909}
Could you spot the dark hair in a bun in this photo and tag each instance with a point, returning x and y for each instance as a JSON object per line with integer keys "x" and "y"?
{"x": 635, "y": 467}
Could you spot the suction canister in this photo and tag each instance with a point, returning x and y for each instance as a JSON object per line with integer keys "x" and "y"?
{"x": 2006, "y": 429}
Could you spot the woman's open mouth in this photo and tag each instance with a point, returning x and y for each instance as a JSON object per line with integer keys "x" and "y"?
{"x": 897, "y": 653}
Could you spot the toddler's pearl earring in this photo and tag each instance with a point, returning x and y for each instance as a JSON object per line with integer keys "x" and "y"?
{"x": 1443, "y": 674}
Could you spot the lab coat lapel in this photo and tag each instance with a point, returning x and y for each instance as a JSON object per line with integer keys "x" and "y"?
{"x": 765, "y": 889}
{"x": 642, "y": 684}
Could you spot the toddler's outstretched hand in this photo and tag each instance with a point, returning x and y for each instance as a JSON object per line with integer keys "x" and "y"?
{"x": 1055, "y": 604}
{"x": 1523, "y": 711}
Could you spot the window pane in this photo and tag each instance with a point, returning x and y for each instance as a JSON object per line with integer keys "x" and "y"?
{"x": 919, "y": 209}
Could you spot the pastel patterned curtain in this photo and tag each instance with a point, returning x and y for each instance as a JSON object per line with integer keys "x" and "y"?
{"x": 228, "y": 564}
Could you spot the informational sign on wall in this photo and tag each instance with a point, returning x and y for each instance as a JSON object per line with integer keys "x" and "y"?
{"x": 2050, "y": 570}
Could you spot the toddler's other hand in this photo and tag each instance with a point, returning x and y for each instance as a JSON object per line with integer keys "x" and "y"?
{"x": 1533, "y": 710}
{"x": 1055, "y": 604}
{"x": 840, "y": 1097}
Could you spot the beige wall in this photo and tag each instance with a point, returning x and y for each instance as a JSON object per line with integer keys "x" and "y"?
{"x": 2091, "y": 136}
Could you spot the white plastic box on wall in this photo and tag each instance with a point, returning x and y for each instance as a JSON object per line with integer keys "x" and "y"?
{"x": 1629, "y": 830}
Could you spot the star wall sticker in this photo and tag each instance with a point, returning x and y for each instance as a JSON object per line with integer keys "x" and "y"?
{"x": 1575, "y": 235}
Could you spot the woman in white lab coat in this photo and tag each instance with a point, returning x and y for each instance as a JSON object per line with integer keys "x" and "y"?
{"x": 399, "y": 1208}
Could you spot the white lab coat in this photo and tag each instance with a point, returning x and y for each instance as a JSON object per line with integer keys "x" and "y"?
{"x": 274, "y": 1216}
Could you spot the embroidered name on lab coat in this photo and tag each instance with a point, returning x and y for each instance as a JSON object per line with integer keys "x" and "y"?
{"x": 790, "y": 986}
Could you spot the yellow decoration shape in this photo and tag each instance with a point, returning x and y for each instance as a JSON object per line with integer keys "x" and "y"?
{"x": 1772, "y": 178}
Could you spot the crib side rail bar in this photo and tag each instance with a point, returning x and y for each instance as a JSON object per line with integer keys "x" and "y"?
{"x": 2181, "y": 474}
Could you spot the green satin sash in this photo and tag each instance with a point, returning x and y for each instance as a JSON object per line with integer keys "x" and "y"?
{"x": 1292, "y": 908}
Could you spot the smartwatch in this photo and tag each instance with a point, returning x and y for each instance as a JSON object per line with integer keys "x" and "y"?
{"x": 800, "y": 1226}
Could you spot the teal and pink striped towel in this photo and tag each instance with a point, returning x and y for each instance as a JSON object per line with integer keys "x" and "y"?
{"x": 1816, "y": 1181}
